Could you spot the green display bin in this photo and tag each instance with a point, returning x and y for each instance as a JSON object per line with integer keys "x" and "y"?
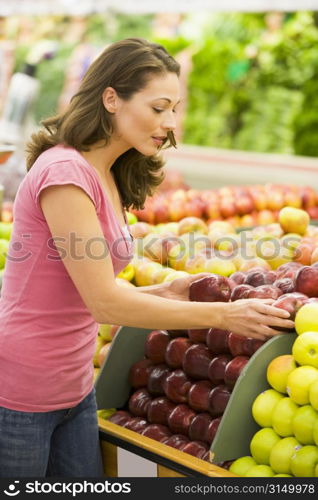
{"x": 237, "y": 425}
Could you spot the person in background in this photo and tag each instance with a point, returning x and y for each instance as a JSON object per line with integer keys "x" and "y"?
{"x": 70, "y": 239}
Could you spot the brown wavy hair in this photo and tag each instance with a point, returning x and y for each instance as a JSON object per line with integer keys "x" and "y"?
{"x": 126, "y": 66}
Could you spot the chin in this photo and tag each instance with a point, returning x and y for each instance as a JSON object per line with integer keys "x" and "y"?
{"x": 148, "y": 151}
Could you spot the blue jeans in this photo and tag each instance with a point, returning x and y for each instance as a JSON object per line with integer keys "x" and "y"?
{"x": 54, "y": 443}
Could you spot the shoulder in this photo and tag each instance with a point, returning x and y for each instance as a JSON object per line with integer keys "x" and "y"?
{"x": 62, "y": 165}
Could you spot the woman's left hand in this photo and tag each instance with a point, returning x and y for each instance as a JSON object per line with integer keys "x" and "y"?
{"x": 178, "y": 289}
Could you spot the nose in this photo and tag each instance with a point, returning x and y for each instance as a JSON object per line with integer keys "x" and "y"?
{"x": 170, "y": 123}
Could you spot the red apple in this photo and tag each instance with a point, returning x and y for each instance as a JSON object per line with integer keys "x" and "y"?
{"x": 286, "y": 285}
{"x": 217, "y": 368}
{"x": 244, "y": 203}
{"x": 121, "y": 417}
{"x": 218, "y": 399}
{"x": 137, "y": 424}
{"x": 180, "y": 419}
{"x": 251, "y": 345}
{"x": 233, "y": 369}
{"x": 156, "y": 344}
{"x": 206, "y": 456}
{"x": 175, "y": 351}
{"x": 198, "y": 429}
{"x": 214, "y": 288}
{"x": 303, "y": 253}
{"x": 198, "y": 395}
{"x": 238, "y": 277}
{"x": 177, "y": 441}
{"x": 140, "y": 229}
{"x": 176, "y": 386}
{"x": 306, "y": 281}
{"x": 265, "y": 292}
{"x": 156, "y": 379}
{"x": 308, "y": 196}
{"x": 227, "y": 206}
{"x": 138, "y": 402}
{"x": 217, "y": 341}
{"x": 291, "y": 302}
{"x": 196, "y": 361}
{"x": 196, "y": 448}
{"x": 255, "y": 277}
{"x": 237, "y": 345}
{"x": 213, "y": 427}
{"x": 159, "y": 409}
{"x": 177, "y": 333}
{"x": 241, "y": 292}
{"x": 157, "y": 431}
{"x": 198, "y": 335}
{"x": 288, "y": 270}
{"x": 243, "y": 346}
{"x": 139, "y": 373}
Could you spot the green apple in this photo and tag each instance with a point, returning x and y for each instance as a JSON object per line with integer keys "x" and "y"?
{"x": 313, "y": 394}
{"x": 303, "y": 424}
{"x": 104, "y": 332}
{"x": 315, "y": 432}
{"x": 282, "y": 475}
{"x": 131, "y": 218}
{"x": 281, "y": 454}
{"x": 263, "y": 407}
{"x": 304, "y": 461}
{"x": 305, "y": 349}
{"x": 127, "y": 273}
{"x": 262, "y": 443}
{"x": 241, "y": 465}
{"x": 99, "y": 344}
{"x": 278, "y": 370}
{"x": 4, "y": 248}
{"x": 6, "y": 230}
{"x": 260, "y": 471}
{"x": 298, "y": 383}
{"x": 105, "y": 414}
{"x": 316, "y": 471}
{"x": 283, "y": 417}
{"x": 306, "y": 319}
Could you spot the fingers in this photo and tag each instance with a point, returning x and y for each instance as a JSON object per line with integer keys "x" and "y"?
{"x": 274, "y": 321}
{"x": 271, "y": 310}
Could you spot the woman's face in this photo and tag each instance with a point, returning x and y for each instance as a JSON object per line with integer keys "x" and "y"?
{"x": 144, "y": 121}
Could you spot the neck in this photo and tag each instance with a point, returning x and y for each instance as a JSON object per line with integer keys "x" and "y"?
{"x": 102, "y": 158}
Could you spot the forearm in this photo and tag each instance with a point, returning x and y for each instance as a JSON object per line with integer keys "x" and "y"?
{"x": 159, "y": 290}
{"x": 127, "y": 308}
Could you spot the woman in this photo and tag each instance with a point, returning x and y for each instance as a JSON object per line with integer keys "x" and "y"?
{"x": 69, "y": 242}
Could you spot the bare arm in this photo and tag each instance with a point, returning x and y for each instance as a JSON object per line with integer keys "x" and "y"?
{"x": 67, "y": 210}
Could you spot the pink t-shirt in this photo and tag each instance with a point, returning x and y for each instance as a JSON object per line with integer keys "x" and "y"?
{"x": 47, "y": 336}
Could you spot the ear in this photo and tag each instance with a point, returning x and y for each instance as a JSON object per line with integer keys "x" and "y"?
{"x": 110, "y": 99}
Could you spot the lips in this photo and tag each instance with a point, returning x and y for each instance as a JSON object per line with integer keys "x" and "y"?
{"x": 159, "y": 140}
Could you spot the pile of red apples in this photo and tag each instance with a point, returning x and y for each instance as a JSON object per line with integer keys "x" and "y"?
{"x": 242, "y": 205}
{"x": 182, "y": 386}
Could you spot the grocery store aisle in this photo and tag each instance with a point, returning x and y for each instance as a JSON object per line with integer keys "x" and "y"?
{"x": 207, "y": 168}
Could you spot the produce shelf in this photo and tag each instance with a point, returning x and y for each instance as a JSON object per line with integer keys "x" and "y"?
{"x": 170, "y": 462}
{"x": 237, "y": 425}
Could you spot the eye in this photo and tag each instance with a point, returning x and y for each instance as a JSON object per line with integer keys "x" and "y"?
{"x": 157, "y": 110}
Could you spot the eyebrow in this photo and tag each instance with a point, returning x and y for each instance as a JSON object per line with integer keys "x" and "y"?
{"x": 166, "y": 99}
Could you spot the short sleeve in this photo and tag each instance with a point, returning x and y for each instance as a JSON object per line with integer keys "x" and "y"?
{"x": 63, "y": 173}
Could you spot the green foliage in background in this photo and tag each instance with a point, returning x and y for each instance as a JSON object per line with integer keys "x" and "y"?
{"x": 248, "y": 89}
{"x": 255, "y": 92}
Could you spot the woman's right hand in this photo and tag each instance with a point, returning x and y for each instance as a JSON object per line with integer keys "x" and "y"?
{"x": 255, "y": 318}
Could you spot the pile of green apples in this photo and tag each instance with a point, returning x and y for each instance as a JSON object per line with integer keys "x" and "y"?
{"x": 287, "y": 412}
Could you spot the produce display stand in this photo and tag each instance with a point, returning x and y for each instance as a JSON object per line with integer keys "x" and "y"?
{"x": 233, "y": 435}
